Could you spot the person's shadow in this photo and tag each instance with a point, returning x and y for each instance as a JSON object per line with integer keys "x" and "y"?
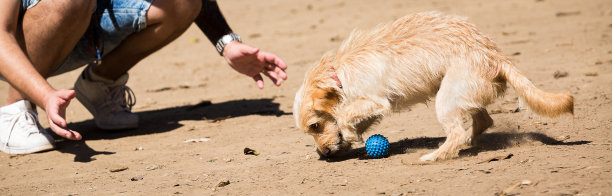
{"x": 164, "y": 120}
{"x": 486, "y": 142}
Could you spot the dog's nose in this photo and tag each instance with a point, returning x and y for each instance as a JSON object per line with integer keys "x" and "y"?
{"x": 323, "y": 152}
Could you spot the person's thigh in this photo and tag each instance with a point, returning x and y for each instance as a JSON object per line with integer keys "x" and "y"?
{"x": 112, "y": 22}
{"x": 39, "y": 24}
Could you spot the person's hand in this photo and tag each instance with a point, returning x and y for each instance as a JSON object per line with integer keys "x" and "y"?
{"x": 55, "y": 106}
{"x": 251, "y": 61}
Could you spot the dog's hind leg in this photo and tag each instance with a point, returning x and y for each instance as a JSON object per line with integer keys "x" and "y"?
{"x": 481, "y": 121}
{"x": 456, "y": 137}
{"x": 450, "y": 116}
{"x": 462, "y": 93}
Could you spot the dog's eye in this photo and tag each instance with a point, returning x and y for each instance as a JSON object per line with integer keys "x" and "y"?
{"x": 314, "y": 126}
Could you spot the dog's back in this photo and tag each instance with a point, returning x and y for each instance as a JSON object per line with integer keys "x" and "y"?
{"x": 409, "y": 57}
{"x": 407, "y": 60}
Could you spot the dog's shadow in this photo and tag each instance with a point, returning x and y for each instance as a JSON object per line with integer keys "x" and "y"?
{"x": 486, "y": 142}
{"x": 164, "y": 120}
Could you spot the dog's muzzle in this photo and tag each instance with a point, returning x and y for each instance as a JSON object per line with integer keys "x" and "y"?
{"x": 330, "y": 150}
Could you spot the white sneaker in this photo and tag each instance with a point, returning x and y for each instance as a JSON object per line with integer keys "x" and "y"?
{"x": 20, "y": 132}
{"x": 110, "y": 102}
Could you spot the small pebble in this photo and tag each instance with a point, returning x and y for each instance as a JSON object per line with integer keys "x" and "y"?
{"x": 563, "y": 137}
{"x": 152, "y": 167}
{"x": 560, "y": 74}
{"x": 197, "y": 140}
{"x": 118, "y": 168}
{"x": 223, "y": 183}
{"x": 526, "y": 182}
{"x": 248, "y": 151}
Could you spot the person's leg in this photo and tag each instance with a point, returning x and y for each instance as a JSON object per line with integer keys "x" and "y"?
{"x": 101, "y": 88}
{"x": 166, "y": 20}
{"x": 49, "y": 32}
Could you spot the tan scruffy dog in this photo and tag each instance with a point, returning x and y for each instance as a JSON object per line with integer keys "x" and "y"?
{"x": 407, "y": 62}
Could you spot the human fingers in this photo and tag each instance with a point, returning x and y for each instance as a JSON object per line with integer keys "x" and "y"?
{"x": 55, "y": 117}
{"x": 56, "y": 112}
{"x": 56, "y": 107}
{"x": 281, "y": 73}
{"x": 280, "y": 63}
{"x": 259, "y": 80}
{"x": 58, "y": 124}
{"x": 64, "y": 132}
{"x": 270, "y": 58}
{"x": 274, "y": 77}
{"x": 277, "y": 75}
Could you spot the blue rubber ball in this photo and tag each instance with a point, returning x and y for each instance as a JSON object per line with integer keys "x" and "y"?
{"x": 377, "y": 146}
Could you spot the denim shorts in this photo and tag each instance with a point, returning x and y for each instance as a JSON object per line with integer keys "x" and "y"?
{"x": 117, "y": 19}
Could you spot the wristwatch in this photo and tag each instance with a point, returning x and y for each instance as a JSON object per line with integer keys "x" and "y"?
{"x": 226, "y": 39}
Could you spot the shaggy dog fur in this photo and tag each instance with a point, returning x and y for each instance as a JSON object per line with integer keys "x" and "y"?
{"x": 407, "y": 62}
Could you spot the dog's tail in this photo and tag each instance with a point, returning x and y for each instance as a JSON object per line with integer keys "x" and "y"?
{"x": 542, "y": 103}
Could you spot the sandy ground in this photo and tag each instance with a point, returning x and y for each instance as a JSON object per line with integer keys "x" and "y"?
{"x": 186, "y": 92}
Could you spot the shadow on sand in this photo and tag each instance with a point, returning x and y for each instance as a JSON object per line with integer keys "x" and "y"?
{"x": 164, "y": 120}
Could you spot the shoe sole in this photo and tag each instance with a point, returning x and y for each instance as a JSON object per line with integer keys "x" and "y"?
{"x": 26, "y": 150}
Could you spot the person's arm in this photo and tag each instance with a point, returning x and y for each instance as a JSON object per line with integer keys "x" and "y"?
{"x": 212, "y": 22}
{"x": 243, "y": 58}
{"x": 17, "y": 69}
{"x": 14, "y": 65}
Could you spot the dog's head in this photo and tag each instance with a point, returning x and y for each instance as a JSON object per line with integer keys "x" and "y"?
{"x": 314, "y": 111}
{"x": 316, "y": 107}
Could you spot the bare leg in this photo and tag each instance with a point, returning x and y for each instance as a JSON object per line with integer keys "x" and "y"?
{"x": 166, "y": 20}
{"x": 49, "y": 32}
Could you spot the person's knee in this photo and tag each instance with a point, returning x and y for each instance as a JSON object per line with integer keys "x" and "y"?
{"x": 189, "y": 10}
{"x": 179, "y": 13}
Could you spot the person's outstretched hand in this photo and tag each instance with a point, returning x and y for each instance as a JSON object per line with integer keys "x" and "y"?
{"x": 55, "y": 106}
{"x": 251, "y": 61}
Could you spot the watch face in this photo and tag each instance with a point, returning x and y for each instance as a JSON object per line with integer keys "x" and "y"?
{"x": 227, "y": 39}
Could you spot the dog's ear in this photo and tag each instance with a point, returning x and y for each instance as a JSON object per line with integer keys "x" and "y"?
{"x": 324, "y": 100}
